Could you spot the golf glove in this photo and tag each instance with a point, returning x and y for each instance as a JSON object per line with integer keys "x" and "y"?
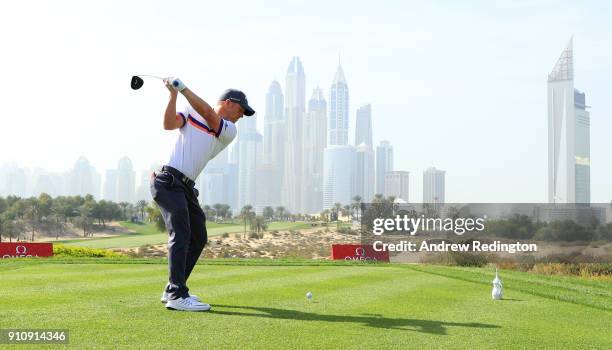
{"x": 177, "y": 84}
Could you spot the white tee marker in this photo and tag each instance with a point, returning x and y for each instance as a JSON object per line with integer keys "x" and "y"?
{"x": 497, "y": 293}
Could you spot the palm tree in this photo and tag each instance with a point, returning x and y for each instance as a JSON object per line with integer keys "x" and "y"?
{"x": 141, "y": 205}
{"x": 124, "y": 206}
{"x": 378, "y": 198}
{"x": 324, "y": 215}
{"x": 218, "y": 210}
{"x": 337, "y": 207}
{"x": 268, "y": 213}
{"x": 155, "y": 215}
{"x": 280, "y": 213}
{"x": 258, "y": 224}
{"x": 227, "y": 212}
{"x": 346, "y": 210}
{"x": 32, "y": 214}
{"x": 245, "y": 213}
{"x": 357, "y": 200}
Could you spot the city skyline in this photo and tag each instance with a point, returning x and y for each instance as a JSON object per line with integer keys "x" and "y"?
{"x": 323, "y": 156}
{"x": 478, "y": 113}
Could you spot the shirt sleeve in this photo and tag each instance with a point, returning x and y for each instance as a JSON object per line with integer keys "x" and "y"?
{"x": 184, "y": 115}
{"x": 227, "y": 132}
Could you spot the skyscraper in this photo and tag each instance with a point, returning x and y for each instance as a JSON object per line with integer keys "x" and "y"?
{"x": 364, "y": 172}
{"x": 109, "y": 191}
{"x": 363, "y": 126}
{"x": 338, "y": 177}
{"x": 274, "y": 122}
{"x": 315, "y": 141}
{"x": 83, "y": 179}
{"x": 250, "y": 153}
{"x": 126, "y": 181}
{"x": 13, "y": 180}
{"x": 397, "y": 184}
{"x": 295, "y": 101}
{"x": 568, "y": 135}
{"x": 339, "y": 110}
{"x": 270, "y": 173}
{"x": 384, "y": 163}
{"x": 433, "y": 186}
{"x": 364, "y": 167}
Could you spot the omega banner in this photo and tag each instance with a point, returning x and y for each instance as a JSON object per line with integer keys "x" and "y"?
{"x": 25, "y": 250}
{"x": 358, "y": 252}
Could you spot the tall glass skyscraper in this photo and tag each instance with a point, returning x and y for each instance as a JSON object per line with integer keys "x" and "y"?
{"x": 339, "y": 110}
{"x": 315, "y": 141}
{"x": 295, "y": 103}
{"x": 274, "y": 126}
{"x": 568, "y": 135}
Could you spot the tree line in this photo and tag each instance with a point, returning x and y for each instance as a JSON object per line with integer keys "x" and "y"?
{"x": 21, "y": 218}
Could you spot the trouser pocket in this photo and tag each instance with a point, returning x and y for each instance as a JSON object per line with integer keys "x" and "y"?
{"x": 161, "y": 182}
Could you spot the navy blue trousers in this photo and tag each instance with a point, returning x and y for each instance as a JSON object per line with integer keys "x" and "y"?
{"x": 186, "y": 224}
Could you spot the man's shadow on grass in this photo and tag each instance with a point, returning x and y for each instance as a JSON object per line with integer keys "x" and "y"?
{"x": 371, "y": 320}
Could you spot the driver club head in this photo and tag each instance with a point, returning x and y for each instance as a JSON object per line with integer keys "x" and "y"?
{"x": 136, "y": 82}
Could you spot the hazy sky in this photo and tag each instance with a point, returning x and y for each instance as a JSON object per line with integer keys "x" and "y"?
{"x": 456, "y": 85}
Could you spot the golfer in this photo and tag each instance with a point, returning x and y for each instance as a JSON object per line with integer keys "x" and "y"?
{"x": 203, "y": 133}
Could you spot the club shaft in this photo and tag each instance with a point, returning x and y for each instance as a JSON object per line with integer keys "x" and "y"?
{"x": 151, "y": 76}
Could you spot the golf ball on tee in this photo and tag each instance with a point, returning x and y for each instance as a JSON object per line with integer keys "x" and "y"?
{"x": 309, "y": 295}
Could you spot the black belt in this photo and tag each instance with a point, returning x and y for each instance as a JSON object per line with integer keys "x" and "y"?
{"x": 184, "y": 179}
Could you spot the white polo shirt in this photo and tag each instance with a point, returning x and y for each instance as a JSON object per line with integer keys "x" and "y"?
{"x": 197, "y": 143}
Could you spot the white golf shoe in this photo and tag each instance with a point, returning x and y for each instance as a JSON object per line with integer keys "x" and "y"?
{"x": 164, "y": 298}
{"x": 186, "y": 304}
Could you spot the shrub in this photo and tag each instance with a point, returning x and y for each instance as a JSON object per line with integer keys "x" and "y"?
{"x": 456, "y": 259}
{"x": 347, "y": 231}
{"x": 225, "y": 235}
{"x": 64, "y": 251}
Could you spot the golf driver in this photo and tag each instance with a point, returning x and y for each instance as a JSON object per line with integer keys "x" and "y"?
{"x": 137, "y": 81}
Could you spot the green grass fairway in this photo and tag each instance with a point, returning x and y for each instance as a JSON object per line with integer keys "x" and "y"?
{"x": 258, "y": 306}
{"x": 147, "y": 234}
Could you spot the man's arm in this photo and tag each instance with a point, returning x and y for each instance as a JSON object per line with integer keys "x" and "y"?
{"x": 203, "y": 109}
{"x": 171, "y": 119}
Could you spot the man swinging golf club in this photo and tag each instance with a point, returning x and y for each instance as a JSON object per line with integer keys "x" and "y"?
{"x": 204, "y": 132}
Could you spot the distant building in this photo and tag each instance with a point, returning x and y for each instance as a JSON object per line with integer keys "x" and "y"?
{"x": 569, "y": 160}
{"x": 295, "y": 103}
{"x": 364, "y": 172}
{"x": 109, "y": 192}
{"x": 397, "y": 184}
{"x": 84, "y": 179}
{"x": 433, "y": 186}
{"x": 365, "y": 160}
{"x": 274, "y": 126}
{"x": 274, "y": 138}
{"x": 338, "y": 177}
{"x": 250, "y": 154}
{"x": 266, "y": 191}
{"x": 581, "y": 214}
{"x": 384, "y": 163}
{"x": 363, "y": 126}
{"x": 13, "y": 180}
{"x": 126, "y": 181}
{"x": 315, "y": 141}
{"x": 339, "y": 110}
